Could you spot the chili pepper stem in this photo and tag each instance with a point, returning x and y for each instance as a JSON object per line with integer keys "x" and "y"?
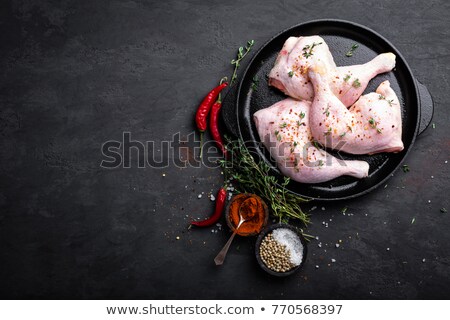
{"x": 201, "y": 145}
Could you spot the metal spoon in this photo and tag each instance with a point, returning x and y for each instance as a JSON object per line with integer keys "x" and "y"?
{"x": 220, "y": 258}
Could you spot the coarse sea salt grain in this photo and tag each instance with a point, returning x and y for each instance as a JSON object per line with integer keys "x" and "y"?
{"x": 292, "y": 242}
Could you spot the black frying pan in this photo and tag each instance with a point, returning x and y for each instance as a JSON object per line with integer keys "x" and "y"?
{"x": 417, "y": 107}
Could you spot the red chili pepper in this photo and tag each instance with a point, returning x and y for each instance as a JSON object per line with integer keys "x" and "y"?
{"x": 214, "y": 125}
{"x": 205, "y": 106}
{"x": 220, "y": 203}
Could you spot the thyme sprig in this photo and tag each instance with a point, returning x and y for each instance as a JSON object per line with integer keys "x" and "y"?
{"x": 242, "y": 52}
{"x": 255, "y": 177}
{"x": 308, "y": 49}
{"x": 352, "y": 49}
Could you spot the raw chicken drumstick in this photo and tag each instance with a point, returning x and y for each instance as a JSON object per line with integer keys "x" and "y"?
{"x": 284, "y": 130}
{"x": 372, "y": 125}
{"x": 289, "y": 73}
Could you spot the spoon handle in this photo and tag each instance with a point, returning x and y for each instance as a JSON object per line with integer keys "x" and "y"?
{"x": 220, "y": 258}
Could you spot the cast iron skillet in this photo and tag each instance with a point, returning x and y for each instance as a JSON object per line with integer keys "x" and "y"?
{"x": 241, "y": 104}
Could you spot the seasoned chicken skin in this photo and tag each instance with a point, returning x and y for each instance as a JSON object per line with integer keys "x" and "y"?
{"x": 284, "y": 130}
{"x": 289, "y": 73}
{"x": 372, "y": 125}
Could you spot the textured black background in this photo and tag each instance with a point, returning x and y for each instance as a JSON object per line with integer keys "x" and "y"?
{"x": 74, "y": 74}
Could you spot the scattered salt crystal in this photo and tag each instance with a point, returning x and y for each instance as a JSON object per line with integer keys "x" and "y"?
{"x": 178, "y": 238}
{"x": 333, "y": 260}
{"x": 323, "y": 208}
{"x": 313, "y": 208}
{"x": 432, "y": 177}
{"x": 163, "y": 174}
{"x": 337, "y": 245}
{"x": 317, "y": 267}
{"x": 199, "y": 196}
{"x": 229, "y": 195}
{"x": 387, "y": 249}
{"x": 212, "y": 197}
{"x": 445, "y": 161}
{"x": 292, "y": 242}
{"x": 320, "y": 245}
{"x": 423, "y": 260}
{"x": 429, "y": 201}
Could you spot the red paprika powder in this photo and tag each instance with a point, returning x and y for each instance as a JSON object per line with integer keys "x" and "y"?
{"x": 253, "y": 209}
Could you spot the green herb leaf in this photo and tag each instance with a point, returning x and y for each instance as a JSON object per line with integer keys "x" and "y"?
{"x": 356, "y": 83}
{"x": 302, "y": 115}
{"x": 283, "y": 125}
{"x": 352, "y": 49}
{"x": 308, "y": 49}
{"x": 255, "y": 83}
{"x": 291, "y": 74}
{"x": 443, "y": 210}
{"x": 342, "y": 134}
{"x": 347, "y": 77}
{"x": 405, "y": 168}
{"x": 344, "y": 210}
{"x": 317, "y": 144}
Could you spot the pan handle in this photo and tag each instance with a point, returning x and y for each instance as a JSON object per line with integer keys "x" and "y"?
{"x": 426, "y": 107}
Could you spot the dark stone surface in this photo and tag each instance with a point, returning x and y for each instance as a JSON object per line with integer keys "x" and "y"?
{"x": 75, "y": 74}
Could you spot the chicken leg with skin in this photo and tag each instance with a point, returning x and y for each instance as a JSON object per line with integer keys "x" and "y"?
{"x": 372, "y": 125}
{"x": 289, "y": 73}
{"x": 284, "y": 130}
